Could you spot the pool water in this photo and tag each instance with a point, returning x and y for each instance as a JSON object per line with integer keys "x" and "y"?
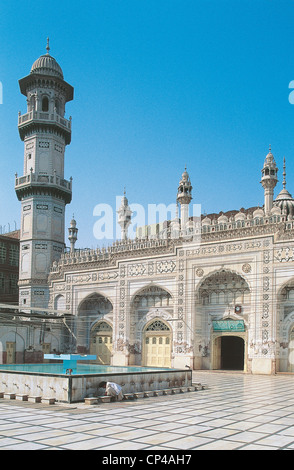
{"x": 82, "y": 369}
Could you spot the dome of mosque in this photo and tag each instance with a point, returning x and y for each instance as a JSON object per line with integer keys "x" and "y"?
{"x": 47, "y": 65}
{"x": 206, "y": 221}
{"x": 284, "y": 200}
{"x": 258, "y": 213}
{"x": 240, "y": 216}
{"x": 222, "y": 219}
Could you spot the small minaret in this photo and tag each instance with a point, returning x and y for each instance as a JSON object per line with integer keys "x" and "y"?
{"x": 184, "y": 198}
{"x": 269, "y": 180}
{"x": 175, "y": 224}
{"x": 72, "y": 234}
{"x": 124, "y": 217}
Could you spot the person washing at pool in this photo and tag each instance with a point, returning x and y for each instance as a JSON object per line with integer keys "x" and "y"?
{"x": 112, "y": 390}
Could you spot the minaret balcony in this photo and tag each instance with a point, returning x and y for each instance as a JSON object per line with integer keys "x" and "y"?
{"x": 33, "y": 118}
{"x": 38, "y": 183}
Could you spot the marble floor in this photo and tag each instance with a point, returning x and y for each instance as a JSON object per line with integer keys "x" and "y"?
{"x": 237, "y": 411}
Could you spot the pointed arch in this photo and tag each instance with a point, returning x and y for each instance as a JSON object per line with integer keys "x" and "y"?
{"x": 222, "y": 287}
{"x": 147, "y": 303}
{"x": 149, "y": 300}
{"x": 93, "y": 303}
{"x": 224, "y": 271}
{"x": 223, "y": 294}
{"x": 93, "y": 308}
{"x": 157, "y": 324}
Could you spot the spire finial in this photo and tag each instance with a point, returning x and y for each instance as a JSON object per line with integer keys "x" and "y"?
{"x": 270, "y": 148}
{"x": 48, "y": 47}
{"x": 284, "y": 174}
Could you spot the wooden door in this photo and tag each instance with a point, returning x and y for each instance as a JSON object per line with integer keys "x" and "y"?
{"x": 102, "y": 348}
{"x": 157, "y": 350}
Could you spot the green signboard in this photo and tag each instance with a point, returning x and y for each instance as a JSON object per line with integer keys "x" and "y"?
{"x": 228, "y": 325}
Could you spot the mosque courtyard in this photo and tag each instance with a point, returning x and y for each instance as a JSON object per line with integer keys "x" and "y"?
{"x": 236, "y": 412}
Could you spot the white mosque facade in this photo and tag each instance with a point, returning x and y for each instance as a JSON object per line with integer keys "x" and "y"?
{"x": 214, "y": 295}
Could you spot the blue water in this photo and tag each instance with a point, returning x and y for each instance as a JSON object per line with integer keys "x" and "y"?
{"x": 82, "y": 369}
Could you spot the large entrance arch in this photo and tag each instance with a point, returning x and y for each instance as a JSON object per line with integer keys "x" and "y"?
{"x": 150, "y": 334}
{"x": 223, "y": 304}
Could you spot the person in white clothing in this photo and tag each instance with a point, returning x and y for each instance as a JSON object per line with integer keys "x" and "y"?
{"x": 112, "y": 390}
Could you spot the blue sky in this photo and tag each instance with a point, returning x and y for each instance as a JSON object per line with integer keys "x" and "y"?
{"x": 158, "y": 85}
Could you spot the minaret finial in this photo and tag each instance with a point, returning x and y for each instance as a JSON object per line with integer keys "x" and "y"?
{"x": 48, "y": 47}
{"x": 284, "y": 174}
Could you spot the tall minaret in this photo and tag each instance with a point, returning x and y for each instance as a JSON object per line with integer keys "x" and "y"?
{"x": 42, "y": 189}
{"x": 184, "y": 198}
{"x": 269, "y": 180}
{"x": 124, "y": 216}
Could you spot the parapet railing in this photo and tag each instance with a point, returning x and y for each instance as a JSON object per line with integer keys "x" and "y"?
{"x": 222, "y": 231}
{"x": 42, "y": 116}
{"x": 37, "y": 178}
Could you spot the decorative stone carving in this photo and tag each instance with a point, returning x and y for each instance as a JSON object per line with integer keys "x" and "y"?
{"x": 285, "y": 254}
{"x": 165, "y": 266}
{"x": 199, "y": 272}
{"x": 246, "y": 268}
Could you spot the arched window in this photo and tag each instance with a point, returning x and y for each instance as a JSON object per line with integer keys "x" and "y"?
{"x": 45, "y": 104}
{"x": 157, "y": 325}
{"x": 59, "y": 302}
{"x": 32, "y": 103}
{"x": 57, "y": 106}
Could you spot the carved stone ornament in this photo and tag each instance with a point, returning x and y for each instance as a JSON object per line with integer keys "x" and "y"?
{"x": 246, "y": 268}
{"x": 199, "y": 272}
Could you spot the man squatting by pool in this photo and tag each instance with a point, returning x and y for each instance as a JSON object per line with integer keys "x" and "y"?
{"x": 112, "y": 390}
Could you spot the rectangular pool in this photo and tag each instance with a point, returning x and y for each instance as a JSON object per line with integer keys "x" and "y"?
{"x": 49, "y": 380}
